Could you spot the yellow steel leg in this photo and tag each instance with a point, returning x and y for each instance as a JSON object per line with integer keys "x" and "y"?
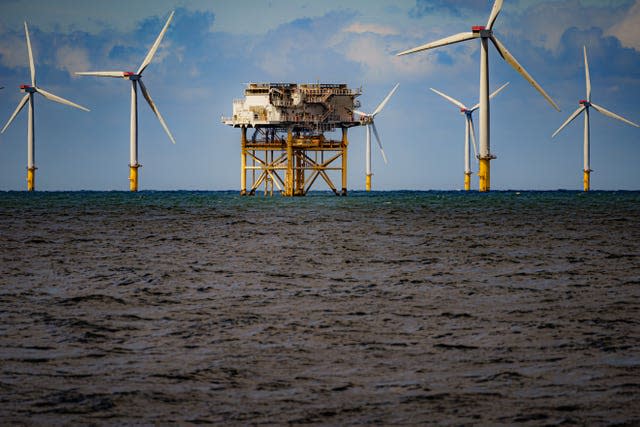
{"x": 467, "y": 181}
{"x": 288, "y": 187}
{"x": 133, "y": 178}
{"x": 31, "y": 179}
{"x": 586, "y": 180}
{"x": 299, "y": 173}
{"x": 484, "y": 175}
{"x": 345, "y": 144}
{"x": 367, "y": 185}
{"x": 243, "y": 162}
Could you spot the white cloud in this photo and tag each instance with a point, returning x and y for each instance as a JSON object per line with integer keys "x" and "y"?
{"x": 376, "y": 56}
{"x": 359, "y": 27}
{"x": 281, "y": 64}
{"x": 380, "y": 64}
{"x": 13, "y": 52}
{"x": 72, "y": 59}
{"x": 628, "y": 30}
{"x": 544, "y": 23}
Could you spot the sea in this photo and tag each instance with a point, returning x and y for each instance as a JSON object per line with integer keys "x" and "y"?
{"x": 384, "y": 308}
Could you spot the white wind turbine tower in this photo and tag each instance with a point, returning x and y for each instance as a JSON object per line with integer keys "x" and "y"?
{"x": 469, "y": 131}
{"x": 485, "y": 33}
{"x": 585, "y": 104}
{"x": 368, "y": 121}
{"x": 30, "y": 90}
{"x": 136, "y": 78}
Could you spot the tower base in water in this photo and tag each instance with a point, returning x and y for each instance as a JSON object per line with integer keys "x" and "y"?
{"x": 484, "y": 174}
{"x": 31, "y": 179}
{"x": 133, "y": 177}
{"x": 586, "y": 180}
{"x": 467, "y": 181}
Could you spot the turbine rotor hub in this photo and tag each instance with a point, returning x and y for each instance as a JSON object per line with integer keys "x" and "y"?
{"x": 482, "y": 30}
{"x": 131, "y": 76}
{"x": 366, "y": 120}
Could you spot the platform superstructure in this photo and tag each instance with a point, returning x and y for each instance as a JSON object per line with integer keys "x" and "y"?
{"x": 288, "y": 147}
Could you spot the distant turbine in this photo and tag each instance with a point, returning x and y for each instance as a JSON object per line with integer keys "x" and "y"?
{"x": 30, "y": 90}
{"x": 469, "y": 131}
{"x": 136, "y": 78}
{"x": 585, "y": 104}
{"x": 368, "y": 121}
{"x": 485, "y": 34}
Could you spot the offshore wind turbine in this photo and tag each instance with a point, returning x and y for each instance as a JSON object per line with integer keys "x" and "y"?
{"x": 369, "y": 123}
{"x": 469, "y": 131}
{"x": 485, "y": 33}
{"x": 30, "y": 90}
{"x": 585, "y": 104}
{"x": 136, "y": 78}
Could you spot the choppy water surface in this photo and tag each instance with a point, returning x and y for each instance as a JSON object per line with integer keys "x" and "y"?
{"x": 391, "y": 308}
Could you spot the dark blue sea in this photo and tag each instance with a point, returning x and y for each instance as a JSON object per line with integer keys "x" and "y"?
{"x": 389, "y": 308}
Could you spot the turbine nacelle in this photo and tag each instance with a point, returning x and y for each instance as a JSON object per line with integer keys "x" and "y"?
{"x": 366, "y": 119}
{"x": 584, "y": 102}
{"x": 27, "y": 88}
{"x": 482, "y": 30}
{"x": 131, "y": 75}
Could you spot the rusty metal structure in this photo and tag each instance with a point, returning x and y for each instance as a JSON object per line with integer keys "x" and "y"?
{"x": 288, "y": 148}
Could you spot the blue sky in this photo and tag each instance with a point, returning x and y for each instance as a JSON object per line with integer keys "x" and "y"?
{"x": 213, "y": 47}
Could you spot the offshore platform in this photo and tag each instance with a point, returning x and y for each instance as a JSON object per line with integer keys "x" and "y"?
{"x": 288, "y": 148}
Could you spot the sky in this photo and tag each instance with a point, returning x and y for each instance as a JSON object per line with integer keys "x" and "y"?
{"x": 214, "y": 47}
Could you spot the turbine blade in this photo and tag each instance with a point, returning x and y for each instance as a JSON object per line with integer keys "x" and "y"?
{"x": 506, "y": 55}
{"x": 497, "y": 91}
{"x": 360, "y": 112}
{"x": 32, "y": 65}
{"x": 154, "y": 47}
{"x": 101, "y": 73}
{"x": 450, "y": 99}
{"x": 21, "y": 105}
{"x": 375, "y": 132}
{"x": 473, "y": 136}
{"x": 613, "y": 115}
{"x": 586, "y": 72}
{"x": 497, "y": 6}
{"x": 384, "y": 101}
{"x": 56, "y": 98}
{"x": 456, "y": 38}
{"x": 146, "y": 95}
{"x": 570, "y": 119}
